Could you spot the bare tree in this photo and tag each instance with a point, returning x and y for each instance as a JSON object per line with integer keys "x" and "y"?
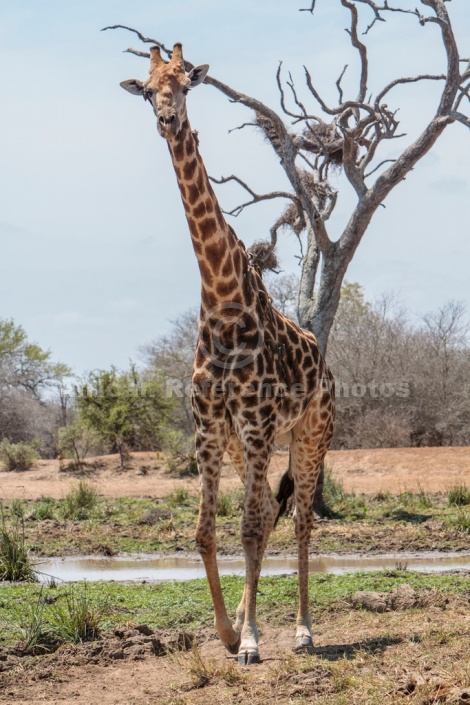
{"x": 349, "y": 135}
{"x": 172, "y": 355}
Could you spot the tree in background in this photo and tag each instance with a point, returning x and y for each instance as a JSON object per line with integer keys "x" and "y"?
{"x": 28, "y": 383}
{"x": 400, "y": 382}
{"x": 128, "y": 410}
{"x": 172, "y": 355}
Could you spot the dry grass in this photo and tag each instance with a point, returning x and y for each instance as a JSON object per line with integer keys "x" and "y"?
{"x": 415, "y": 657}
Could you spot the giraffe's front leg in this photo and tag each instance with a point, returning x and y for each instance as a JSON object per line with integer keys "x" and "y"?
{"x": 258, "y": 520}
{"x": 269, "y": 512}
{"x": 210, "y": 449}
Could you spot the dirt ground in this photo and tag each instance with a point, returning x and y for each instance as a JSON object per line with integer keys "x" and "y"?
{"x": 388, "y": 658}
{"x": 364, "y": 471}
{"x": 360, "y": 657}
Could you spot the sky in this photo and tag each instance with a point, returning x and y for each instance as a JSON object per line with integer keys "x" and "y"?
{"x": 95, "y": 255}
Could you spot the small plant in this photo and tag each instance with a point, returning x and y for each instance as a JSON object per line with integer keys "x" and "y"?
{"x": 38, "y": 635}
{"x": 424, "y": 498}
{"x": 76, "y": 618}
{"x": 18, "y": 456}
{"x": 461, "y": 521}
{"x": 405, "y": 498}
{"x": 72, "y": 618}
{"x": 333, "y": 490}
{"x": 178, "y": 497}
{"x": 459, "y": 495}
{"x": 15, "y": 564}
{"x": 80, "y": 501}
{"x": 203, "y": 671}
{"x": 45, "y": 509}
{"x": 382, "y": 496}
{"x": 17, "y": 508}
{"x": 225, "y": 506}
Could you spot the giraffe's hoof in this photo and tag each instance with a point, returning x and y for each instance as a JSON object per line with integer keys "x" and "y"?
{"x": 233, "y": 648}
{"x": 303, "y": 645}
{"x": 248, "y": 658}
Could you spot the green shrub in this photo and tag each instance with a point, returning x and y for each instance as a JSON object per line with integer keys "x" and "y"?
{"x": 17, "y": 508}
{"x": 80, "y": 501}
{"x": 459, "y": 495}
{"x": 75, "y": 617}
{"x": 225, "y": 506}
{"x": 15, "y": 564}
{"x": 45, "y": 509}
{"x": 18, "y": 456}
{"x": 178, "y": 497}
{"x": 76, "y": 441}
{"x": 461, "y": 521}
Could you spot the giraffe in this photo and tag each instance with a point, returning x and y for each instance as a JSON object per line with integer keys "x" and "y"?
{"x": 258, "y": 379}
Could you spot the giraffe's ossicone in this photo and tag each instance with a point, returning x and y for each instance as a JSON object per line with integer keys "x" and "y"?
{"x": 258, "y": 379}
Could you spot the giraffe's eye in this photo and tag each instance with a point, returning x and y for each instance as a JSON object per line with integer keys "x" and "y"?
{"x": 148, "y": 94}
{"x": 185, "y": 91}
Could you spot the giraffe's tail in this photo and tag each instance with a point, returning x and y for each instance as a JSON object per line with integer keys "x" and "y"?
{"x": 284, "y": 491}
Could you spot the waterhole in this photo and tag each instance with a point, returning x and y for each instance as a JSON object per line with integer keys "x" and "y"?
{"x": 164, "y": 568}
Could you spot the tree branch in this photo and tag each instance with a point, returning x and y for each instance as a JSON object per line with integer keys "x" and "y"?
{"x": 256, "y": 198}
{"x": 338, "y": 84}
{"x": 460, "y": 117}
{"x": 309, "y": 9}
{"x": 361, "y": 49}
{"x": 384, "y": 161}
{"x": 414, "y": 79}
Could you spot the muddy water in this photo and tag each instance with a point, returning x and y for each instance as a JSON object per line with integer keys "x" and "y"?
{"x": 156, "y": 569}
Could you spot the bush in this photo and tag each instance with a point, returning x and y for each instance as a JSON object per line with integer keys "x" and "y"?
{"x": 18, "y": 456}
{"x": 77, "y": 618}
{"x": 459, "y": 495}
{"x": 45, "y": 509}
{"x": 72, "y": 618}
{"x": 15, "y": 564}
{"x": 80, "y": 501}
{"x": 181, "y": 458}
{"x": 178, "y": 497}
{"x": 76, "y": 441}
{"x": 225, "y": 505}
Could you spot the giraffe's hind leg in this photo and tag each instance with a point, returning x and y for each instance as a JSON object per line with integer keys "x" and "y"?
{"x": 311, "y": 438}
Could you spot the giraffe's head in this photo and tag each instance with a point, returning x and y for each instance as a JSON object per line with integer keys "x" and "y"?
{"x": 166, "y": 89}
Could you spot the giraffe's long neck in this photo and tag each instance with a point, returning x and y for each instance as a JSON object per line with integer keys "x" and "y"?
{"x": 221, "y": 256}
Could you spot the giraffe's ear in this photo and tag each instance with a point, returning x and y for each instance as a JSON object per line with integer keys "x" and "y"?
{"x": 198, "y": 74}
{"x": 133, "y": 85}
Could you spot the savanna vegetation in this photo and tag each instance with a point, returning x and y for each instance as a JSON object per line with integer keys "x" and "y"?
{"x": 401, "y": 381}
{"x": 84, "y": 523}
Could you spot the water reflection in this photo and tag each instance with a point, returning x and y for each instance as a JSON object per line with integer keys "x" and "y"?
{"x": 163, "y": 568}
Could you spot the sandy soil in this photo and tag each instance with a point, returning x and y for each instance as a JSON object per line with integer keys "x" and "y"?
{"x": 127, "y": 669}
{"x": 412, "y": 656}
{"x": 367, "y": 471}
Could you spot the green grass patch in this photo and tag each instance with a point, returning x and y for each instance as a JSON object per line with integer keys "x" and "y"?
{"x": 459, "y": 495}
{"x": 79, "y": 611}
{"x": 83, "y": 523}
{"x": 15, "y": 562}
{"x": 80, "y": 501}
